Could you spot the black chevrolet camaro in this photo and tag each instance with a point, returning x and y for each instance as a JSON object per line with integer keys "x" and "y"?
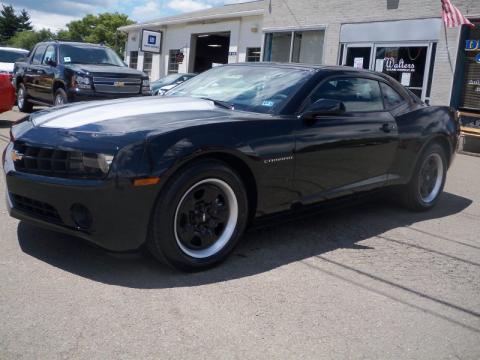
{"x": 185, "y": 174}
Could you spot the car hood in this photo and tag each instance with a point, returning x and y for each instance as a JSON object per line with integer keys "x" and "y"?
{"x": 6, "y": 67}
{"x": 113, "y": 124}
{"x": 104, "y": 69}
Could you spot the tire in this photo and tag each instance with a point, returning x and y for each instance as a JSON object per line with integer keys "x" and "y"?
{"x": 60, "y": 97}
{"x": 22, "y": 99}
{"x": 424, "y": 189}
{"x": 199, "y": 217}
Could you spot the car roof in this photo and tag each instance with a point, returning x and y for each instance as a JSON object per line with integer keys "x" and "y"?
{"x": 13, "y": 49}
{"x": 348, "y": 70}
{"x": 76, "y": 43}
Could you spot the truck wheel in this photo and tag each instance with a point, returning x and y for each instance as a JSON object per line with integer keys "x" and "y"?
{"x": 60, "y": 97}
{"x": 428, "y": 180}
{"x": 199, "y": 217}
{"x": 22, "y": 100}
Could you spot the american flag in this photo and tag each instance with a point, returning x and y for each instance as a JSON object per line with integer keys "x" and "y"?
{"x": 452, "y": 16}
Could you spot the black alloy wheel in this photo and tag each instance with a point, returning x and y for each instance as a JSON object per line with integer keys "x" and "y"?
{"x": 427, "y": 183}
{"x": 199, "y": 216}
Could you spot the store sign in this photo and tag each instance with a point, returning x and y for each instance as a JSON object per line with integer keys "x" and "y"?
{"x": 391, "y": 65}
{"x": 472, "y": 45}
{"x": 151, "y": 41}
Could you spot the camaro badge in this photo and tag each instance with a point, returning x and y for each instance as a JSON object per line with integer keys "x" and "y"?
{"x": 16, "y": 156}
{"x": 119, "y": 84}
{"x": 276, "y": 160}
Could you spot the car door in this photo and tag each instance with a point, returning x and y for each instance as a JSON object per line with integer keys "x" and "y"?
{"x": 32, "y": 73}
{"x": 46, "y": 75}
{"x": 339, "y": 154}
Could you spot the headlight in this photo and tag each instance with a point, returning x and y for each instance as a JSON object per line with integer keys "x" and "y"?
{"x": 95, "y": 162}
{"x": 145, "y": 82}
{"x": 82, "y": 82}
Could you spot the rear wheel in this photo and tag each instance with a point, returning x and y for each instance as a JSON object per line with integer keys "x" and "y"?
{"x": 199, "y": 217}
{"x": 60, "y": 97}
{"x": 428, "y": 181}
{"x": 22, "y": 99}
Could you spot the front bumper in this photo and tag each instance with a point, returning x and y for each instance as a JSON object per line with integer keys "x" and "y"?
{"x": 120, "y": 212}
{"x": 76, "y": 95}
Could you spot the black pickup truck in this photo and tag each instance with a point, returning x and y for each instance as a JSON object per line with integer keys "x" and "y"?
{"x": 59, "y": 72}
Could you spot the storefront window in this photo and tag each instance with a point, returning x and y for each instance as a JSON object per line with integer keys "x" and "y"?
{"x": 253, "y": 54}
{"x": 147, "y": 63}
{"x": 133, "y": 59}
{"x": 278, "y": 46}
{"x": 307, "y": 46}
{"x": 405, "y": 64}
{"x": 173, "y": 61}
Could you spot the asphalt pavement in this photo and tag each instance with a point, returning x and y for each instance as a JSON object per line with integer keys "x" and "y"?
{"x": 373, "y": 281}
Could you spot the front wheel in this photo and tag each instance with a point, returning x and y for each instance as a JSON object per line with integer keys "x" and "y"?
{"x": 60, "y": 97}
{"x": 22, "y": 100}
{"x": 199, "y": 217}
{"x": 428, "y": 181}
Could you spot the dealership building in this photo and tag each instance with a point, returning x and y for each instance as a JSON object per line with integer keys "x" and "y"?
{"x": 403, "y": 38}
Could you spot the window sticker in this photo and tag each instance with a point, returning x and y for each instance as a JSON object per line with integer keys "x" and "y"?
{"x": 268, "y": 103}
{"x": 67, "y": 59}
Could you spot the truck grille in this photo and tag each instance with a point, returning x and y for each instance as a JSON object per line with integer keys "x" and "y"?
{"x": 117, "y": 85}
{"x": 36, "y": 208}
{"x": 54, "y": 163}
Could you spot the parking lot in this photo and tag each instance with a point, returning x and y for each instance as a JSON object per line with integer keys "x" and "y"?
{"x": 372, "y": 281}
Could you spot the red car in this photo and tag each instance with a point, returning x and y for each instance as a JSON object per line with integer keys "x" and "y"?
{"x": 7, "y": 93}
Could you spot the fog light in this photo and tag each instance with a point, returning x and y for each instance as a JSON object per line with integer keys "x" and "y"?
{"x": 81, "y": 216}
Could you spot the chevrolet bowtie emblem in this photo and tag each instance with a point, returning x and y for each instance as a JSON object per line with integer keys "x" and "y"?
{"x": 17, "y": 156}
{"x": 119, "y": 83}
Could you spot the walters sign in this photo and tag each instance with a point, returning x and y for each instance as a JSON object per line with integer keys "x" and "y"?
{"x": 391, "y": 65}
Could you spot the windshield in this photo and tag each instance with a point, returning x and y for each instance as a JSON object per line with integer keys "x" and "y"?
{"x": 167, "y": 80}
{"x": 250, "y": 88}
{"x": 74, "y": 54}
{"x": 10, "y": 56}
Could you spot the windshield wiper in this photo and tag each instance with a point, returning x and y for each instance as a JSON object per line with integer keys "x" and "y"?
{"x": 220, "y": 103}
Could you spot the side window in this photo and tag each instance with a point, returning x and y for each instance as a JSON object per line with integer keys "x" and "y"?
{"x": 358, "y": 94}
{"x": 50, "y": 54}
{"x": 38, "y": 56}
{"x": 391, "y": 98}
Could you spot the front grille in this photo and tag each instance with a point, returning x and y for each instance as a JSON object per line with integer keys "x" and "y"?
{"x": 117, "y": 85}
{"x": 36, "y": 208}
{"x": 54, "y": 163}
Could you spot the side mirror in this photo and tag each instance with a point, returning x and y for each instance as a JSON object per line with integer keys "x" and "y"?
{"x": 51, "y": 62}
{"x": 324, "y": 107}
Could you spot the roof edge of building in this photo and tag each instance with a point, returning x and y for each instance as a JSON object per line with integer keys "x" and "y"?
{"x": 228, "y": 11}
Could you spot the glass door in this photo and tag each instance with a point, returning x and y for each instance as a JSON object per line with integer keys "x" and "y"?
{"x": 358, "y": 56}
{"x": 409, "y": 64}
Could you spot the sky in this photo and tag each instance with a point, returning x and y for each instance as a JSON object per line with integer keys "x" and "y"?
{"x": 54, "y": 14}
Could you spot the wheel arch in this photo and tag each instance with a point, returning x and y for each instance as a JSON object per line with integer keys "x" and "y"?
{"x": 57, "y": 85}
{"x": 230, "y": 159}
{"x": 442, "y": 140}
{"x": 236, "y": 163}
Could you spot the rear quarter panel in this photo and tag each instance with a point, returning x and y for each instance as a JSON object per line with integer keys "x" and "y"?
{"x": 417, "y": 129}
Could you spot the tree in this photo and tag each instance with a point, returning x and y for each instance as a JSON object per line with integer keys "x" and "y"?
{"x": 28, "y": 39}
{"x": 10, "y": 23}
{"x": 98, "y": 29}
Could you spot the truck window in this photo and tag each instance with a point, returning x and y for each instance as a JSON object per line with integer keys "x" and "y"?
{"x": 38, "y": 56}
{"x": 49, "y": 55}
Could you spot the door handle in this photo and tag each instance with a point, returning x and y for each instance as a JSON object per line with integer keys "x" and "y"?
{"x": 387, "y": 127}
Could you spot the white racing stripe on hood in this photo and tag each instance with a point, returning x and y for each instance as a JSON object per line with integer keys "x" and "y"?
{"x": 89, "y": 113}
